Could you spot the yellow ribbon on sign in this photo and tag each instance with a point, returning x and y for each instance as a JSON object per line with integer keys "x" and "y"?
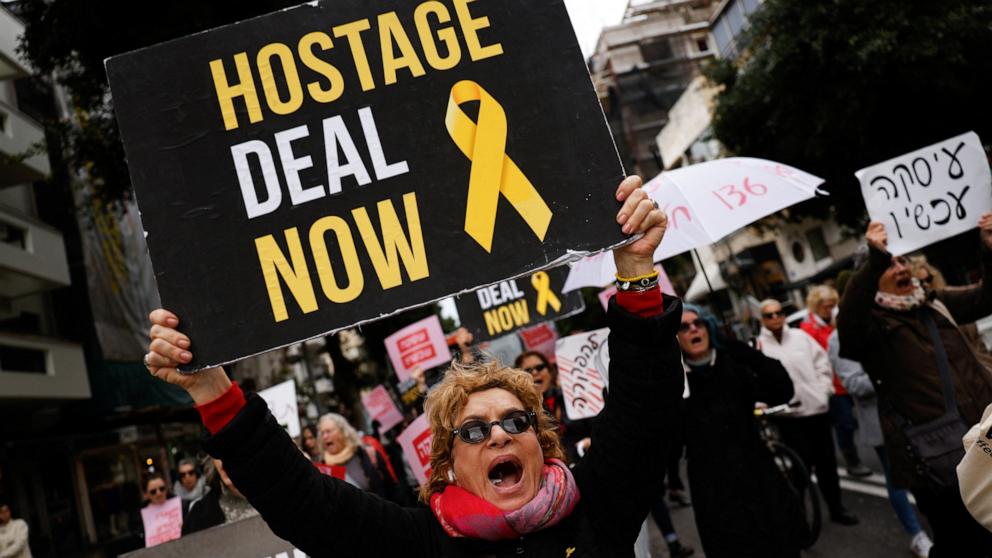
{"x": 493, "y": 172}
{"x": 545, "y": 296}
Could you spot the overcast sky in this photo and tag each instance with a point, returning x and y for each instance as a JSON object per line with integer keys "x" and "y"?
{"x": 590, "y": 16}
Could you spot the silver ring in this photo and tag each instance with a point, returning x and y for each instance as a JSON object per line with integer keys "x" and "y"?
{"x": 145, "y": 361}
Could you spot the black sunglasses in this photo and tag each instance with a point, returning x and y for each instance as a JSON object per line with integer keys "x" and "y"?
{"x": 770, "y": 315}
{"x": 686, "y": 326}
{"x": 187, "y": 473}
{"x": 156, "y": 490}
{"x": 539, "y": 368}
{"x": 477, "y": 431}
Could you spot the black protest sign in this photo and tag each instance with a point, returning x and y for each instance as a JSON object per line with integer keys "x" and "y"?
{"x": 518, "y": 303}
{"x": 336, "y": 162}
{"x": 250, "y": 538}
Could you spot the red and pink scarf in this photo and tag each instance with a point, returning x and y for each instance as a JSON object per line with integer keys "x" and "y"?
{"x": 463, "y": 514}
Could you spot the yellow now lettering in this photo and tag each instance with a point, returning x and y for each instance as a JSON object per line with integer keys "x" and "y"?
{"x": 353, "y": 268}
{"x": 296, "y": 276}
{"x": 410, "y": 250}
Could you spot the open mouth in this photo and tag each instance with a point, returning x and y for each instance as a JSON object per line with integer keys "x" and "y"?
{"x": 696, "y": 340}
{"x": 505, "y": 472}
{"x": 904, "y": 283}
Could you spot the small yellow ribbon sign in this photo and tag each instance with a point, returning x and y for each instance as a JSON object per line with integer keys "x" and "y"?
{"x": 545, "y": 296}
{"x": 493, "y": 172}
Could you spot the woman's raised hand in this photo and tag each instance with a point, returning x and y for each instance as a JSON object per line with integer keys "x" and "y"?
{"x": 639, "y": 214}
{"x": 876, "y": 236}
{"x": 170, "y": 349}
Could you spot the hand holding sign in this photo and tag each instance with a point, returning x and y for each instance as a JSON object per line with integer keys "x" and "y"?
{"x": 985, "y": 225}
{"x": 638, "y": 215}
{"x": 169, "y": 349}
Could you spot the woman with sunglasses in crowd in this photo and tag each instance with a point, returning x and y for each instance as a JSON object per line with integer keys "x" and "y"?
{"x": 498, "y": 486}
{"x": 742, "y": 505}
{"x": 574, "y": 434}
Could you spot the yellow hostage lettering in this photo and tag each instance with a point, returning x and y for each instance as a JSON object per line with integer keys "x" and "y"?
{"x": 391, "y": 250}
{"x": 398, "y": 56}
{"x": 507, "y": 317}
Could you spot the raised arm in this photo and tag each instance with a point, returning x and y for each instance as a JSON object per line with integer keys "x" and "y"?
{"x": 320, "y": 515}
{"x": 854, "y": 323}
{"x": 974, "y": 302}
{"x": 618, "y": 476}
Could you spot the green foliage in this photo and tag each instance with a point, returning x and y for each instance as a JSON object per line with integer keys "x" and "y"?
{"x": 832, "y": 86}
{"x": 69, "y": 40}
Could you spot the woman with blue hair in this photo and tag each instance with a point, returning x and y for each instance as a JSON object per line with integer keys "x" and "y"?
{"x": 742, "y": 505}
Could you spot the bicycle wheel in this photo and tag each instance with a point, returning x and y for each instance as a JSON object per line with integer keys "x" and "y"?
{"x": 798, "y": 480}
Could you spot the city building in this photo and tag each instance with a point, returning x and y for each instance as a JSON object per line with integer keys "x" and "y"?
{"x": 642, "y": 65}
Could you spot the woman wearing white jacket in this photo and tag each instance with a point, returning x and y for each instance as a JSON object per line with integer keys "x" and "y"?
{"x": 807, "y": 429}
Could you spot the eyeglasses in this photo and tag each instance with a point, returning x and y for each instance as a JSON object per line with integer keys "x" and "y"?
{"x": 770, "y": 315}
{"x": 156, "y": 490}
{"x": 477, "y": 431}
{"x": 698, "y": 323}
{"x": 535, "y": 369}
{"x": 187, "y": 473}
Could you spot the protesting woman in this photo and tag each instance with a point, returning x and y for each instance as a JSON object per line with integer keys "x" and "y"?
{"x": 931, "y": 386}
{"x": 343, "y": 448}
{"x": 742, "y": 504}
{"x": 497, "y": 486}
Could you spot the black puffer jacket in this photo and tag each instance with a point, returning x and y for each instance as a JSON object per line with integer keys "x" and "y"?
{"x": 618, "y": 479}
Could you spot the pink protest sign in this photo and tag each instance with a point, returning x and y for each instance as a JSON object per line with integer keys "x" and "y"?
{"x": 163, "y": 522}
{"x": 420, "y": 344}
{"x": 416, "y": 444}
{"x": 380, "y": 407}
{"x": 540, "y": 338}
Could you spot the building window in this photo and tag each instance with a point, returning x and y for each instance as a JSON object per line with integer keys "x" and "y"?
{"x": 702, "y": 44}
{"x": 22, "y": 359}
{"x": 659, "y": 49}
{"x": 13, "y": 235}
{"x": 818, "y": 244}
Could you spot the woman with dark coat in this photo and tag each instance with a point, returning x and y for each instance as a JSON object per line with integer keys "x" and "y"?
{"x": 742, "y": 505}
{"x": 885, "y": 324}
{"x": 497, "y": 486}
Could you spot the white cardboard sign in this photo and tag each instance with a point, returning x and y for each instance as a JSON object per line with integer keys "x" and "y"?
{"x": 929, "y": 194}
{"x": 419, "y": 344}
{"x": 281, "y": 399}
{"x": 380, "y": 407}
{"x": 583, "y": 372}
{"x": 416, "y": 444}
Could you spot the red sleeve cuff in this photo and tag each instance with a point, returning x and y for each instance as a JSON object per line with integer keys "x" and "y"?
{"x": 217, "y": 413}
{"x": 645, "y": 304}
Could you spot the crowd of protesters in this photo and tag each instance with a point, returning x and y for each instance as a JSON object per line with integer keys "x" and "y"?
{"x": 891, "y": 362}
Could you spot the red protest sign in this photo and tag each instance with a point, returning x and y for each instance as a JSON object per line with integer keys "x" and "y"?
{"x": 420, "y": 344}
{"x": 416, "y": 444}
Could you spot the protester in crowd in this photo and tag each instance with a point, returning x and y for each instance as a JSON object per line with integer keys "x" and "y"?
{"x": 205, "y": 512}
{"x": 190, "y": 484}
{"x": 156, "y": 491}
{"x": 742, "y": 504}
{"x": 497, "y": 484}
{"x": 13, "y": 534}
{"x": 807, "y": 428}
{"x": 911, "y": 348}
{"x": 343, "y": 448}
{"x": 819, "y": 324}
{"x": 859, "y": 385}
{"x": 574, "y": 434}
{"x": 309, "y": 442}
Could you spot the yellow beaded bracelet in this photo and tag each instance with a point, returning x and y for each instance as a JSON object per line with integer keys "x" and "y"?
{"x": 652, "y": 275}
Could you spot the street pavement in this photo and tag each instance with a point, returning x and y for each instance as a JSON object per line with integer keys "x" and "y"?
{"x": 879, "y": 535}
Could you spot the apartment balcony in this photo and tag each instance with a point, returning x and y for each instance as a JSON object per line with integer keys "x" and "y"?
{"x": 12, "y": 65}
{"x": 23, "y": 157}
{"x": 32, "y": 256}
{"x": 34, "y": 367}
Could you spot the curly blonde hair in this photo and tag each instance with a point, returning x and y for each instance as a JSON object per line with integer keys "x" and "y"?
{"x": 447, "y": 399}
